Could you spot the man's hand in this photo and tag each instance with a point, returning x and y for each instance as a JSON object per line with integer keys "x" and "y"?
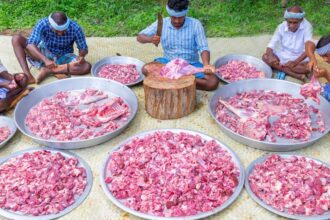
{"x": 80, "y": 60}
{"x": 49, "y": 63}
{"x": 290, "y": 64}
{"x": 155, "y": 40}
{"x": 209, "y": 69}
{"x": 312, "y": 65}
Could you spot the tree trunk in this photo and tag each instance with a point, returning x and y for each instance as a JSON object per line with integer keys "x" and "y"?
{"x": 169, "y": 99}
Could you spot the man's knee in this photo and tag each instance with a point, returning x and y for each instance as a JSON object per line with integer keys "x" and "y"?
{"x": 265, "y": 58}
{"x": 145, "y": 69}
{"x": 17, "y": 40}
{"x": 85, "y": 68}
{"x": 212, "y": 82}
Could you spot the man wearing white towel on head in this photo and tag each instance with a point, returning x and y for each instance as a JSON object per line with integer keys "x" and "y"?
{"x": 286, "y": 50}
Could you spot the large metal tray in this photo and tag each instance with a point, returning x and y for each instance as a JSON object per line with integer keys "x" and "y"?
{"x": 119, "y": 60}
{"x": 234, "y": 196}
{"x": 270, "y": 208}
{"x": 114, "y": 88}
{"x": 79, "y": 200}
{"x": 6, "y": 121}
{"x": 282, "y": 144}
{"x": 257, "y": 63}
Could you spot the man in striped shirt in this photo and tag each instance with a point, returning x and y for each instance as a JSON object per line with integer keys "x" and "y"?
{"x": 50, "y": 48}
{"x": 182, "y": 37}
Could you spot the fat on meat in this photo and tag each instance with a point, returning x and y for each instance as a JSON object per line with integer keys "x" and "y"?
{"x": 295, "y": 185}
{"x": 172, "y": 174}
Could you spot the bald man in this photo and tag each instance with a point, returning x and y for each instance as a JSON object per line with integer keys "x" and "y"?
{"x": 50, "y": 48}
{"x": 286, "y": 50}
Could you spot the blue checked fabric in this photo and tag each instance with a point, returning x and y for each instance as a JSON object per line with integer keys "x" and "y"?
{"x": 58, "y": 45}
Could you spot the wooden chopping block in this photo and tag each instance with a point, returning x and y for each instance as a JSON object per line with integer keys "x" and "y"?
{"x": 168, "y": 98}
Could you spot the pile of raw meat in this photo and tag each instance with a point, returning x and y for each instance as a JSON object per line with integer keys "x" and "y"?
{"x": 123, "y": 73}
{"x": 4, "y": 133}
{"x": 77, "y": 115}
{"x": 312, "y": 90}
{"x": 177, "y": 68}
{"x": 296, "y": 185}
{"x": 236, "y": 70}
{"x": 172, "y": 174}
{"x": 269, "y": 115}
{"x": 40, "y": 183}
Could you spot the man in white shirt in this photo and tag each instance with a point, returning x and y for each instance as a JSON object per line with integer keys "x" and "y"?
{"x": 286, "y": 50}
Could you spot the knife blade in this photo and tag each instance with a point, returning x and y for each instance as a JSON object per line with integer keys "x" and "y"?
{"x": 159, "y": 25}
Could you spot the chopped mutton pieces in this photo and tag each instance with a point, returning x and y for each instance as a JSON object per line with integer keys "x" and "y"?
{"x": 77, "y": 115}
{"x": 312, "y": 90}
{"x": 123, "y": 73}
{"x": 291, "y": 117}
{"x": 40, "y": 183}
{"x": 236, "y": 70}
{"x": 296, "y": 185}
{"x": 172, "y": 174}
{"x": 4, "y": 133}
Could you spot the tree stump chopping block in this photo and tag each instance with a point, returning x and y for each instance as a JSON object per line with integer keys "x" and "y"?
{"x": 169, "y": 98}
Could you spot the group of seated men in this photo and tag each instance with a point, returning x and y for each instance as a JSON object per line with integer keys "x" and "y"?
{"x": 50, "y": 48}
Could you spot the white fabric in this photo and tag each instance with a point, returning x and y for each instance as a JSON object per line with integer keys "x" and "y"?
{"x": 56, "y": 26}
{"x": 294, "y": 15}
{"x": 174, "y": 13}
{"x": 2, "y": 67}
{"x": 288, "y": 45}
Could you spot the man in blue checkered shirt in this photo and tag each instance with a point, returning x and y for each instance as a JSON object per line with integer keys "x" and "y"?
{"x": 182, "y": 37}
{"x": 50, "y": 48}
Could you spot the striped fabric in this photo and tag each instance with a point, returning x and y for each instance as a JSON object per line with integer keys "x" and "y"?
{"x": 58, "y": 45}
{"x": 323, "y": 50}
{"x": 184, "y": 43}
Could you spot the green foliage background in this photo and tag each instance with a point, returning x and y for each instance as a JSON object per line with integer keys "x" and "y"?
{"x": 221, "y": 18}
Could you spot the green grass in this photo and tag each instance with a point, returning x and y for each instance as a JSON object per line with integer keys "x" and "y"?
{"x": 221, "y": 18}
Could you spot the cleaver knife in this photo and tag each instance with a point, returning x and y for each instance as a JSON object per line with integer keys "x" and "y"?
{"x": 159, "y": 25}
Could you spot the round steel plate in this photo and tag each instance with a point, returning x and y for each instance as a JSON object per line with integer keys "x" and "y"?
{"x": 270, "y": 208}
{"x": 79, "y": 200}
{"x": 233, "y": 197}
{"x": 281, "y": 144}
{"x": 119, "y": 60}
{"x": 253, "y": 61}
{"x": 113, "y": 88}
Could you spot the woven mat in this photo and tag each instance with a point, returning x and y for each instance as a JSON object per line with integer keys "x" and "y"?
{"x": 97, "y": 205}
